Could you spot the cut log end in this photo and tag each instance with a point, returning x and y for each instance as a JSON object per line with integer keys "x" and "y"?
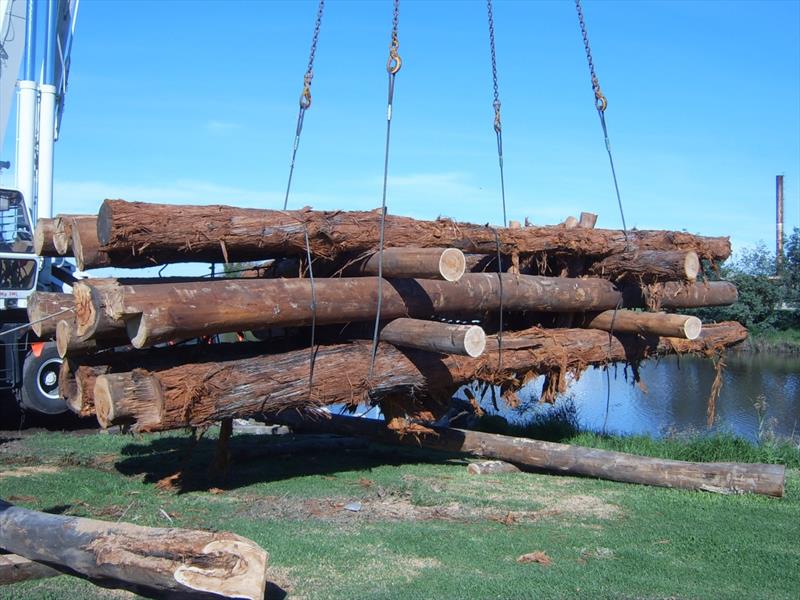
{"x": 692, "y": 328}
{"x": 64, "y": 333}
{"x": 85, "y": 311}
{"x": 691, "y": 266}
{"x": 474, "y": 341}
{"x": 452, "y": 264}
{"x": 246, "y": 578}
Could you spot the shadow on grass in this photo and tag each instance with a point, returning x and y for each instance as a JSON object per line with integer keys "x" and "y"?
{"x": 162, "y": 458}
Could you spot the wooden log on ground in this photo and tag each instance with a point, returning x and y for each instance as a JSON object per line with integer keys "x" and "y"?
{"x": 161, "y": 312}
{"x": 14, "y": 568}
{"x": 69, "y": 343}
{"x": 222, "y": 234}
{"x": 43, "y": 238}
{"x": 410, "y": 263}
{"x": 46, "y": 309}
{"x": 171, "y": 397}
{"x": 62, "y": 234}
{"x": 645, "y": 323}
{"x": 649, "y": 266}
{"x": 491, "y": 467}
{"x": 445, "y": 338}
{"x": 150, "y": 559}
{"x": 725, "y": 478}
{"x": 86, "y": 246}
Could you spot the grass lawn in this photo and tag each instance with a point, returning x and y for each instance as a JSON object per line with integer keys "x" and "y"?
{"x": 426, "y": 529}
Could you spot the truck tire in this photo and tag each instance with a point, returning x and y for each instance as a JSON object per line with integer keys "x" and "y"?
{"x": 40, "y": 382}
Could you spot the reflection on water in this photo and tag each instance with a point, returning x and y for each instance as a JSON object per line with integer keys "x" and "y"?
{"x": 675, "y": 390}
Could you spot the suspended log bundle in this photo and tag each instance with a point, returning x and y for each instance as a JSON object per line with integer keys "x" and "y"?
{"x": 169, "y": 562}
{"x": 448, "y": 304}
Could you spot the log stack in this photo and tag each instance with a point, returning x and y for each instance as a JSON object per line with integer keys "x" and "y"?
{"x": 459, "y": 303}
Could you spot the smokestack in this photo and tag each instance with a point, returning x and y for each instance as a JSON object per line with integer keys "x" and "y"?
{"x": 778, "y": 224}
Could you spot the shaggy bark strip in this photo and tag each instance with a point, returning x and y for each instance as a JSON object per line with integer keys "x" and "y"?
{"x": 196, "y": 394}
{"x": 649, "y": 266}
{"x": 724, "y": 478}
{"x": 145, "y": 559}
{"x": 141, "y": 234}
{"x": 46, "y": 309}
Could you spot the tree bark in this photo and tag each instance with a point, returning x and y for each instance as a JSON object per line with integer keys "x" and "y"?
{"x": 726, "y": 478}
{"x": 76, "y": 386}
{"x": 46, "y": 309}
{"x": 649, "y": 266}
{"x": 184, "y": 562}
{"x": 86, "y": 246}
{"x": 645, "y": 323}
{"x": 192, "y": 394}
{"x": 444, "y": 338}
{"x": 673, "y": 294}
{"x": 140, "y": 234}
{"x": 409, "y": 263}
{"x": 43, "y": 238}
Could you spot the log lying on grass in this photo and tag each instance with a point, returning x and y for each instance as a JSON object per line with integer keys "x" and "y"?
{"x": 141, "y": 234}
{"x": 46, "y": 309}
{"x": 645, "y": 323}
{"x": 726, "y": 478}
{"x": 163, "y": 312}
{"x": 147, "y": 559}
{"x": 43, "y": 238}
{"x": 649, "y": 266}
{"x": 153, "y": 398}
{"x": 14, "y": 568}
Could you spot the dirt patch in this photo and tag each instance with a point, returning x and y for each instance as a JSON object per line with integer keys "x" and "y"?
{"x": 28, "y": 471}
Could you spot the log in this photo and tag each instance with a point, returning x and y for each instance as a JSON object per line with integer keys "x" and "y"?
{"x": 46, "y": 309}
{"x": 14, "y": 568}
{"x": 152, "y": 559}
{"x": 649, "y": 266}
{"x": 62, "y": 234}
{"x": 69, "y": 343}
{"x": 409, "y": 263}
{"x": 645, "y": 323}
{"x": 86, "y": 246}
{"x": 76, "y": 386}
{"x": 161, "y": 313}
{"x": 491, "y": 467}
{"x": 587, "y": 220}
{"x": 141, "y": 234}
{"x": 43, "y": 238}
{"x": 174, "y": 396}
{"x": 676, "y": 295}
{"x": 725, "y": 478}
{"x": 463, "y": 340}
{"x": 570, "y": 223}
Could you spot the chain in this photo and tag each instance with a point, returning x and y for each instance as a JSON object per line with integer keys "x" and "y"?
{"x": 600, "y": 100}
{"x": 392, "y": 67}
{"x": 305, "y": 98}
{"x": 601, "y": 103}
{"x": 498, "y": 126}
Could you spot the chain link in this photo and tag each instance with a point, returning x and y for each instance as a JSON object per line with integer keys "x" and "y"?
{"x": 600, "y": 100}
{"x": 496, "y": 104}
{"x": 395, "y": 62}
{"x": 305, "y": 99}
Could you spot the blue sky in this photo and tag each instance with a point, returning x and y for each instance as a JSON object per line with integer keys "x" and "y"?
{"x": 196, "y": 103}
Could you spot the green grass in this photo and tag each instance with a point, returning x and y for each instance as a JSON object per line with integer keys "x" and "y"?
{"x": 427, "y": 529}
{"x": 774, "y": 340}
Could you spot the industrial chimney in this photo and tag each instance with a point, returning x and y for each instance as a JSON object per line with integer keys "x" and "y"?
{"x": 778, "y": 224}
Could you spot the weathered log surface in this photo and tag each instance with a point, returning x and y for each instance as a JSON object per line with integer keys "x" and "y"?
{"x": 62, "y": 234}
{"x": 43, "y": 238}
{"x": 141, "y": 234}
{"x": 464, "y": 340}
{"x": 155, "y": 559}
{"x": 163, "y": 312}
{"x": 46, "y": 309}
{"x": 645, "y": 323}
{"x": 195, "y": 394}
{"x": 649, "y": 266}
{"x": 673, "y": 294}
{"x": 726, "y": 478}
{"x": 14, "y": 568}
{"x": 410, "y": 263}
{"x": 76, "y": 385}
{"x": 491, "y": 467}
{"x": 86, "y": 246}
